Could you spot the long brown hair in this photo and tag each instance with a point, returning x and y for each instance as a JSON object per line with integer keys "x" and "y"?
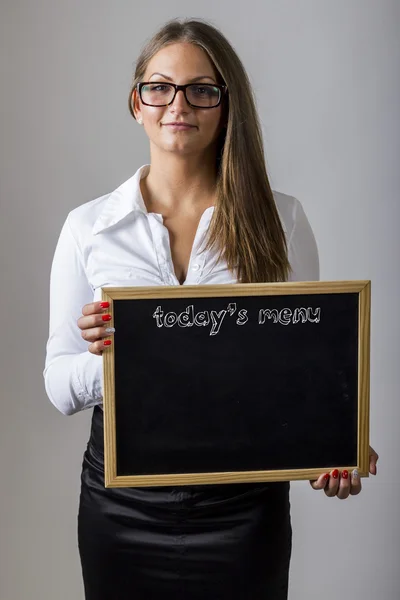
{"x": 245, "y": 227}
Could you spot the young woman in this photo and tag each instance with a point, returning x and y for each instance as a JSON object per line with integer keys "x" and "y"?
{"x": 206, "y": 182}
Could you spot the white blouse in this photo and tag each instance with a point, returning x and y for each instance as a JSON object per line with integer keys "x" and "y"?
{"x": 114, "y": 241}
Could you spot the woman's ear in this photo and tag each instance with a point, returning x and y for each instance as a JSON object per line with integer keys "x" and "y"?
{"x": 135, "y": 105}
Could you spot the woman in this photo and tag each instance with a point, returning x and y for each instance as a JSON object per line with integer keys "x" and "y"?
{"x": 206, "y": 182}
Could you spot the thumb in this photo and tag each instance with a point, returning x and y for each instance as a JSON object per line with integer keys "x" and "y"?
{"x": 373, "y": 459}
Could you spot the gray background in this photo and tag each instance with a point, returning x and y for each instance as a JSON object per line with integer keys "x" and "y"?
{"x": 327, "y": 80}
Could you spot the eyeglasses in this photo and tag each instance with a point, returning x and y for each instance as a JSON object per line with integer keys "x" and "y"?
{"x": 198, "y": 95}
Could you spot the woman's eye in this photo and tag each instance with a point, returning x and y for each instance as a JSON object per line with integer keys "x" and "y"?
{"x": 202, "y": 91}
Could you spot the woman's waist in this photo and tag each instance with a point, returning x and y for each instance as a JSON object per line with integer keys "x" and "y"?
{"x": 189, "y": 493}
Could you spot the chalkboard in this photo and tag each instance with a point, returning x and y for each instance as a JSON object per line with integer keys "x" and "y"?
{"x": 231, "y": 383}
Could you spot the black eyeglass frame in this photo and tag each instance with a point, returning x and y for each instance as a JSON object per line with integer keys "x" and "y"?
{"x": 222, "y": 89}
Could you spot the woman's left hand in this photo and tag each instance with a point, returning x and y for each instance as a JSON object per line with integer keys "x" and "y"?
{"x": 344, "y": 484}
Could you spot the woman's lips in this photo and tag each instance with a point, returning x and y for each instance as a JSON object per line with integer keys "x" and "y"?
{"x": 175, "y": 127}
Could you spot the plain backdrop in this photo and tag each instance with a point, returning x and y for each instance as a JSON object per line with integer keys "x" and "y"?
{"x": 327, "y": 82}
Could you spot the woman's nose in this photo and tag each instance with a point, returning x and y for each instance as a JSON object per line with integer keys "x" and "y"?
{"x": 180, "y": 101}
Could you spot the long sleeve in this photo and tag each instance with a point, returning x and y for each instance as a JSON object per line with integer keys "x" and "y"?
{"x": 303, "y": 250}
{"x": 73, "y": 376}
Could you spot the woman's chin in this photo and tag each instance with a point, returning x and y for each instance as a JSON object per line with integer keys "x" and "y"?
{"x": 179, "y": 147}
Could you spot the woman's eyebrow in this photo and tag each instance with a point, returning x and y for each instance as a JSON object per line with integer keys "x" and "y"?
{"x": 190, "y": 80}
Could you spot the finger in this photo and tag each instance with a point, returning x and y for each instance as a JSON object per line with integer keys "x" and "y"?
{"x": 96, "y": 333}
{"x": 320, "y": 483}
{"x": 373, "y": 459}
{"x": 355, "y": 483}
{"x": 95, "y": 307}
{"x": 333, "y": 485}
{"x": 99, "y": 346}
{"x": 93, "y": 320}
{"x": 344, "y": 486}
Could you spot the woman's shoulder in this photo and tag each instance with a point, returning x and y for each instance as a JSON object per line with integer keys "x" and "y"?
{"x": 80, "y": 220}
{"x": 303, "y": 249}
{"x": 102, "y": 212}
{"x": 288, "y": 207}
{"x": 86, "y": 214}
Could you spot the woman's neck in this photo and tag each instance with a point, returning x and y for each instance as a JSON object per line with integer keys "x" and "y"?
{"x": 179, "y": 185}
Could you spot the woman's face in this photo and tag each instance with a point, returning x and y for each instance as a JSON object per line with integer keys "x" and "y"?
{"x": 180, "y": 63}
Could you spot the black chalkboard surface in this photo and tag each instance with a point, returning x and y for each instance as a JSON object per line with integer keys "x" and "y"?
{"x": 245, "y": 382}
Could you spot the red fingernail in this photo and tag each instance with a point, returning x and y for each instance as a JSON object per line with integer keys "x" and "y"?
{"x": 345, "y": 474}
{"x": 104, "y": 304}
{"x": 107, "y": 343}
{"x": 335, "y": 474}
{"x": 106, "y": 317}
{"x": 326, "y": 476}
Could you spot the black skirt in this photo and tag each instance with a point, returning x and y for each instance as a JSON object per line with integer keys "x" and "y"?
{"x": 209, "y": 542}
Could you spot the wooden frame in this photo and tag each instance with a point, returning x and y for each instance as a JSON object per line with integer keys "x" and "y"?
{"x": 362, "y": 288}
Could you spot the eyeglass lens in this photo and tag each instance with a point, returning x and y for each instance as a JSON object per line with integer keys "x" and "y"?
{"x": 200, "y": 95}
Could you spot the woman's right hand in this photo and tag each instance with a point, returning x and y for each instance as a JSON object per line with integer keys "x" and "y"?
{"x": 95, "y": 326}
